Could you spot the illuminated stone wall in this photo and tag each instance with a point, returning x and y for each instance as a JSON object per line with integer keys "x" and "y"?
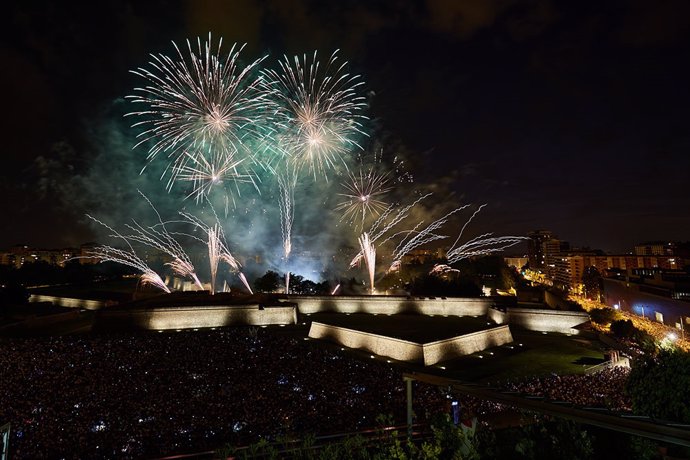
{"x": 391, "y": 305}
{"x": 497, "y": 316}
{"x": 533, "y": 319}
{"x": 197, "y": 317}
{"x": 403, "y": 350}
{"x": 467, "y": 344}
{"x": 547, "y": 320}
{"x": 68, "y": 302}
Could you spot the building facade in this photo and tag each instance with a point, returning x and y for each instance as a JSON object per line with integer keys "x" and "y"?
{"x": 569, "y": 268}
{"x": 535, "y": 251}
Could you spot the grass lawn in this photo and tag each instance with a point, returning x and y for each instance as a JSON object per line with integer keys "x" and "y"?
{"x": 539, "y": 354}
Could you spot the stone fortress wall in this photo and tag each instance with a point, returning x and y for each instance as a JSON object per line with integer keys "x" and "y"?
{"x": 405, "y": 350}
{"x": 204, "y": 316}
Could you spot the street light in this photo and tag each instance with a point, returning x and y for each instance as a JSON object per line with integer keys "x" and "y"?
{"x": 679, "y": 325}
{"x": 668, "y": 341}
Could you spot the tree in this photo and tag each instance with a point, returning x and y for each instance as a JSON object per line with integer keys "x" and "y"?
{"x": 592, "y": 283}
{"x": 296, "y": 284}
{"x": 509, "y": 277}
{"x": 604, "y": 315}
{"x": 560, "y": 439}
{"x": 625, "y": 329}
{"x": 308, "y": 287}
{"x": 269, "y": 282}
{"x": 658, "y": 386}
{"x": 543, "y": 438}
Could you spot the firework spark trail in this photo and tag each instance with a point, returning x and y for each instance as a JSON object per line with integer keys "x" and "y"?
{"x": 234, "y": 264}
{"x": 229, "y": 259}
{"x": 245, "y": 282}
{"x": 368, "y": 250}
{"x": 199, "y": 100}
{"x": 318, "y": 108}
{"x": 440, "y": 269}
{"x": 214, "y": 253}
{"x": 158, "y": 237}
{"x": 421, "y": 237}
{"x": 217, "y": 247}
{"x": 287, "y": 181}
{"x": 479, "y": 246}
{"x": 126, "y": 257}
{"x": 361, "y": 195}
{"x": 482, "y": 245}
{"x": 383, "y": 225}
{"x": 379, "y": 228}
{"x": 335, "y": 289}
{"x": 467, "y": 222}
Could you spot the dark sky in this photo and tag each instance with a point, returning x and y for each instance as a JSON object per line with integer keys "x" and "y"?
{"x": 569, "y": 116}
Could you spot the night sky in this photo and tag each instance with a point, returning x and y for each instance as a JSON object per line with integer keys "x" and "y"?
{"x": 568, "y": 116}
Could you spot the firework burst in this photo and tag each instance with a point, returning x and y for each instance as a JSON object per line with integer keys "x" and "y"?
{"x": 199, "y": 101}
{"x": 362, "y": 195}
{"x": 319, "y": 110}
{"x": 206, "y": 174}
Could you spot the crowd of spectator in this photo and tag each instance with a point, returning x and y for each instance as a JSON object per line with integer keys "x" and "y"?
{"x": 152, "y": 394}
{"x": 605, "y": 388}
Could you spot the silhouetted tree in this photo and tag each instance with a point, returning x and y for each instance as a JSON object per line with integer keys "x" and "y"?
{"x": 592, "y": 282}
{"x": 309, "y": 287}
{"x": 623, "y": 328}
{"x": 431, "y": 285}
{"x": 604, "y": 315}
{"x": 544, "y": 439}
{"x": 269, "y": 282}
{"x": 296, "y": 283}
